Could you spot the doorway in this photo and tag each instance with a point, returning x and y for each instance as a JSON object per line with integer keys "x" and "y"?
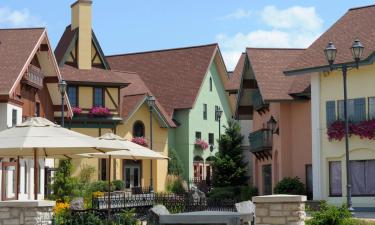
{"x": 9, "y": 181}
{"x": 132, "y": 173}
{"x": 267, "y": 179}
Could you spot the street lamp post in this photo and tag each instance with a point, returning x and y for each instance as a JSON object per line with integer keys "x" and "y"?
{"x": 62, "y": 88}
{"x": 151, "y": 104}
{"x": 330, "y": 53}
{"x": 219, "y": 112}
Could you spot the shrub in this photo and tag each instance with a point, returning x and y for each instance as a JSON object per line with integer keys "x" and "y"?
{"x": 63, "y": 184}
{"x": 128, "y": 217}
{"x": 100, "y": 185}
{"x": 290, "y": 185}
{"x": 331, "y": 215}
{"x": 118, "y": 185}
{"x": 86, "y": 173}
{"x": 175, "y": 163}
{"x": 175, "y": 184}
{"x": 239, "y": 193}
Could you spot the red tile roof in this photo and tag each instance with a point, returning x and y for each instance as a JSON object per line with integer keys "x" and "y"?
{"x": 16, "y": 46}
{"x": 234, "y": 82}
{"x": 174, "y": 76}
{"x": 135, "y": 94}
{"x": 356, "y": 23}
{"x": 268, "y": 65}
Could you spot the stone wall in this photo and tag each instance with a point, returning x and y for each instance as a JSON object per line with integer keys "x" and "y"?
{"x": 26, "y": 212}
{"x": 280, "y": 209}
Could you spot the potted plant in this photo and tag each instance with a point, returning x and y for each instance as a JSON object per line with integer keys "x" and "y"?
{"x": 98, "y": 111}
{"x": 140, "y": 141}
{"x": 200, "y": 143}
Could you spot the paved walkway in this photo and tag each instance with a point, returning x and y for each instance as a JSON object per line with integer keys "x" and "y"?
{"x": 365, "y": 215}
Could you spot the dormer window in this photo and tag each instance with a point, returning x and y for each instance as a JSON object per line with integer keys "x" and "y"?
{"x": 98, "y": 97}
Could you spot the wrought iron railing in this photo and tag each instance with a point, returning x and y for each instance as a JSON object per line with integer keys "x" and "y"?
{"x": 260, "y": 140}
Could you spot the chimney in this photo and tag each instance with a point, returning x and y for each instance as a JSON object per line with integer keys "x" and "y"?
{"x": 81, "y": 19}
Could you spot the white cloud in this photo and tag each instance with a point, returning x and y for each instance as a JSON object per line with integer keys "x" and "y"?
{"x": 238, "y": 14}
{"x": 18, "y": 18}
{"x": 295, "y": 27}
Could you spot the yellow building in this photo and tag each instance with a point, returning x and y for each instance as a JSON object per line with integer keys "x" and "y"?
{"x": 328, "y": 150}
{"x": 95, "y": 92}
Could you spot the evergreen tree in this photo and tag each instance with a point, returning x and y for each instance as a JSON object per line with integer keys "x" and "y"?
{"x": 63, "y": 183}
{"x": 228, "y": 167}
{"x": 175, "y": 164}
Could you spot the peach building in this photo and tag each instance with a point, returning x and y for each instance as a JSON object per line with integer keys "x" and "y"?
{"x": 280, "y": 136}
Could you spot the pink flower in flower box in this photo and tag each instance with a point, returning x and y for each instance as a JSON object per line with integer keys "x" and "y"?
{"x": 201, "y": 144}
{"x": 140, "y": 141}
{"x": 99, "y": 111}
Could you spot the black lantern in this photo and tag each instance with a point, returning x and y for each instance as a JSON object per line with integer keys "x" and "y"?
{"x": 357, "y": 50}
{"x": 62, "y": 87}
{"x": 151, "y": 100}
{"x": 271, "y": 124}
{"x": 219, "y": 112}
{"x": 330, "y": 52}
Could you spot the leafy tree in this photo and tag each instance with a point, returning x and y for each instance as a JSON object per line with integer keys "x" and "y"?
{"x": 291, "y": 186}
{"x": 175, "y": 164}
{"x": 228, "y": 166}
{"x": 63, "y": 184}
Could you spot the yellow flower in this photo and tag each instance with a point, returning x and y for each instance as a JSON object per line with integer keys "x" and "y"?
{"x": 97, "y": 194}
{"x": 60, "y": 207}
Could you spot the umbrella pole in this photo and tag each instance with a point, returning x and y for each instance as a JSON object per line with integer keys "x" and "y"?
{"x": 35, "y": 174}
{"x": 18, "y": 178}
{"x": 109, "y": 186}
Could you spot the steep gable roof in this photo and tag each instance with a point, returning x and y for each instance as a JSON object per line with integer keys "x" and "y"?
{"x": 235, "y": 78}
{"x": 268, "y": 65}
{"x": 356, "y": 23}
{"x": 174, "y": 76}
{"x": 16, "y": 47}
{"x": 134, "y": 95}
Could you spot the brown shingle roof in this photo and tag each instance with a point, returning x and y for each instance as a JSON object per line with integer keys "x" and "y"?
{"x": 135, "y": 94}
{"x": 268, "y": 66}
{"x": 16, "y": 46}
{"x": 64, "y": 42}
{"x": 356, "y": 23}
{"x": 95, "y": 75}
{"x": 234, "y": 82}
{"x": 174, "y": 76}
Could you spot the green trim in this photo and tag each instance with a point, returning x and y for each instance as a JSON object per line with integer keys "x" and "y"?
{"x": 69, "y": 49}
{"x": 100, "y": 51}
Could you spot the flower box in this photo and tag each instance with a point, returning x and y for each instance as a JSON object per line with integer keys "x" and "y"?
{"x": 140, "y": 141}
{"x": 99, "y": 112}
{"x": 202, "y": 144}
{"x": 364, "y": 129}
{"x": 77, "y": 111}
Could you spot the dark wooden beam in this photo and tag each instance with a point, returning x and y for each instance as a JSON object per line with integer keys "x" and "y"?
{"x": 51, "y": 80}
{"x": 44, "y": 47}
{"x": 110, "y": 97}
{"x": 244, "y": 110}
{"x": 249, "y": 84}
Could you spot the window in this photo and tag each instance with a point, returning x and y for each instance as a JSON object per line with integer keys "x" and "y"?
{"x": 216, "y": 109}
{"x": 98, "y": 97}
{"x": 138, "y": 129}
{"x": 211, "y": 138}
{"x": 363, "y": 182}
{"x": 309, "y": 181}
{"x": 37, "y": 109}
{"x": 198, "y": 135}
{"x": 205, "y": 111}
{"x": 267, "y": 179}
{"x": 330, "y": 112}
{"x": 371, "y": 108}
{"x": 73, "y": 95}
{"x": 356, "y": 110}
{"x": 335, "y": 178}
{"x": 210, "y": 83}
{"x": 14, "y": 117}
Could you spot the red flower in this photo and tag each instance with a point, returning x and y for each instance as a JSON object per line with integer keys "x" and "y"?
{"x": 140, "y": 141}
{"x": 99, "y": 111}
{"x": 364, "y": 129}
{"x": 77, "y": 110}
{"x": 201, "y": 143}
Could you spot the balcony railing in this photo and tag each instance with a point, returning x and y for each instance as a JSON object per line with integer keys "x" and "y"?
{"x": 261, "y": 142}
{"x": 257, "y": 100}
{"x": 34, "y": 77}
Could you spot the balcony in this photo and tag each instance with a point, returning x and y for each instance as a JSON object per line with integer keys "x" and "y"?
{"x": 261, "y": 143}
{"x": 257, "y": 101}
{"x": 34, "y": 77}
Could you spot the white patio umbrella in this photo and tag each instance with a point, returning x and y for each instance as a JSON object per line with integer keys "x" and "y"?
{"x": 132, "y": 151}
{"x": 39, "y": 137}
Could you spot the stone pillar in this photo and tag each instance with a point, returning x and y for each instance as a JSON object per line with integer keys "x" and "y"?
{"x": 26, "y": 212}
{"x": 280, "y": 209}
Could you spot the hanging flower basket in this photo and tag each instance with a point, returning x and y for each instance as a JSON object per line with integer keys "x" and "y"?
{"x": 99, "y": 112}
{"x": 202, "y": 144}
{"x": 77, "y": 111}
{"x": 140, "y": 141}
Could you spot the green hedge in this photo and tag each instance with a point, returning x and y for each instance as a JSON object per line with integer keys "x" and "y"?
{"x": 239, "y": 193}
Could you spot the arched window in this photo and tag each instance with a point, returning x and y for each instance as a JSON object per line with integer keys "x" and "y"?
{"x": 138, "y": 129}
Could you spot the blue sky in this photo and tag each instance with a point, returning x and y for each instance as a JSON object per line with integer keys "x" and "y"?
{"x": 124, "y": 26}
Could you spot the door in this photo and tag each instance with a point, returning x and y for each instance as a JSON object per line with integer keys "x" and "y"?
{"x": 267, "y": 179}
{"x": 309, "y": 182}
{"x": 9, "y": 180}
{"x": 132, "y": 174}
